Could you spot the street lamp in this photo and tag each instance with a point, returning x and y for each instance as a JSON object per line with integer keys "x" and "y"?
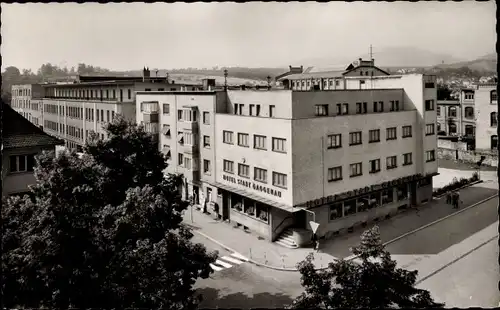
{"x": 225, "y": 79}
{"x": 268, "y": 82}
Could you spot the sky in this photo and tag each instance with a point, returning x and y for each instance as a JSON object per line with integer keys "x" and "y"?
{"x": 128, "y": 36}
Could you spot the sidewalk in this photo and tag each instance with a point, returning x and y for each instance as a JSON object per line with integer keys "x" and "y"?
{"x": 408, "y": 220}
{"x": 272, "y": 255}
{"x": 257, "y": 249}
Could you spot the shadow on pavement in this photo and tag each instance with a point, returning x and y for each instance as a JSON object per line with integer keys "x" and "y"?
{"x": 211, "y": 300}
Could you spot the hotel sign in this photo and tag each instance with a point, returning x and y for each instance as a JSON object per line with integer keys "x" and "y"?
{"x": 356, "y": 192}
{"x": 252, "y": 185}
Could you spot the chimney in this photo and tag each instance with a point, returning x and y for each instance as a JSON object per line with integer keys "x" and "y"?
{"x": 290, "y": 68}
{"x": 145, "y": 74}
{"x": 360, "y": 60}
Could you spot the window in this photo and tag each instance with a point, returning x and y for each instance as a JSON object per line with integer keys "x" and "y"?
{"x": 335, "y": 174}
{"x": 206, "y": 141}
{"x": 407, "y": 159}
{"x": 161, "y": 89}
{"x": 279, "y": 145}
{"x": 493, "y": 96}
{"x": 406, "y": 131}
{"x": 187, "y": 162}
{"x": 335, "y": 211}
{"x": 102, "y": 115}
{"x": 430, "y": 156}
{"x": 342, "y": 108}
{"x": 378, "y": 106}
{"x": 260, "y": 175}
{"x": 180, "y": 159}
{"x": 438, "y": 111}
{"x": 355, "y": 138}
{"x": 279, "y": 180}
{"x": 429, "y": 105}
{"x": 469, "y": 130}
{"x": 452, "y": 128}
{"x": 337, "y": 83}
{"x": 334, "y": 141}
{"x": 114, "y": 93}
{"x": 166, "y": 130}
{"x": 394, "y": 106}
{"x": 188, "y": 138}
{"x": 374, "y": 165}
{"x": 429, "y": 85}
{"x": 228, "y": 166}
{"x": 321, "y": 110}
{"x": 452, "y": 111}
{"x": 206, "y": 166}
{"x": 392, "y": 162}
{"x": 429, "y": 129}
{"x": 252, "y": 107}
{"x": 107, "y": 116}
{"x": 271, "y": 110}
{"x": 243, "y": 139}
{"x": 166, "y": 108}
{"x": 356, "y": 169}
{"x": 22, "y": 163}
{"x": 98, "y": 115}
{"x": 493, "y": 119}
{"x": 129, "y": 93}
{"x": 361, "y": 107}
{"x": 112, "y": 115}
{"x": 257, "y": 112}
{"x": 206, "y": 118}
{"x": 179, "y": 115}
{"x": 494, "y": 142}
{"x": 259, "y": 142}
{"x": 469, "y": 112}
{"x": 227, "y": 137}
{"x": 374, "y": 135}
{"x": 244, "y": 170}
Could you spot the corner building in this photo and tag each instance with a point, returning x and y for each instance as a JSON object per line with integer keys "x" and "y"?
{"x": 272, "y": 161}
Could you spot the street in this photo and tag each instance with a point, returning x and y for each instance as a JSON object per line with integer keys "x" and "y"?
{"x": 248, "y": 286}
{"x": 245, "y": 285}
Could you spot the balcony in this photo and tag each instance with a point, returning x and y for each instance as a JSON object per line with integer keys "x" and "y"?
{"x": 188, "y": 126}
{"x": 189, "y": 149}
{"x": 150, "y": 117}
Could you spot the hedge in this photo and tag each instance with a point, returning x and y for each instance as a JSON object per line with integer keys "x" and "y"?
{"x": 456, "y": 184}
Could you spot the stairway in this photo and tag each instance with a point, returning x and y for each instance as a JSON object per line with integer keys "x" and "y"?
{"x": 286, "y": 239}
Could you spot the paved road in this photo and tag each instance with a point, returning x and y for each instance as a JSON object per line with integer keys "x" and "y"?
{"x": 448, "y": 232}
{"x": 470, "y": 282}
{"x": 245, "y": 285}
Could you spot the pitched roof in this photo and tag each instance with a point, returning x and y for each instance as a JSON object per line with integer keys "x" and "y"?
{"x": 19, "y": 132}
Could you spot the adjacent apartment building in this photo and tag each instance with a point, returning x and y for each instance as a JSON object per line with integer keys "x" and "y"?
{"x": 21, "y": 142}
{"x": 70, "y": 111}
{"x": 272, "y": 161}
{"x": 485, "y": 100}
{"x": 457, "y": 118}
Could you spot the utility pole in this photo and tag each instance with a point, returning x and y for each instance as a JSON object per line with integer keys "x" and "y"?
{"x": 371, "y": 53}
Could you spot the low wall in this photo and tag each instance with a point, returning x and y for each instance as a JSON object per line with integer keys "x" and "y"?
{"x": 491, "y": 159}
{"x": 447, "y": 144}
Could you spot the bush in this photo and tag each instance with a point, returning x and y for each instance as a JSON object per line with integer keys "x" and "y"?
{"x": 456, "y": 184}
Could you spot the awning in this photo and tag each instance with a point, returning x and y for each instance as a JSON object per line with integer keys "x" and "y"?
{"x": 254, "y": 197}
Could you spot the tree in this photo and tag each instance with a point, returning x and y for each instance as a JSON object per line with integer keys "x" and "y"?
{"x": 101, "y": 231}
{"x": 443, "y": 92}
{"x": 374, "y": 283}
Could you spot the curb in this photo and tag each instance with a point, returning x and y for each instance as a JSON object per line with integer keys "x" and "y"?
{"x": 249, "y": 260}
{"x": 431, "y": 223}
{"x": 465, "y": 186}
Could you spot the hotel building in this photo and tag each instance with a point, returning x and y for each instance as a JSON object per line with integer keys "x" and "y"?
{"x": 70, "y": 111}
{"x": 272, "y": 161}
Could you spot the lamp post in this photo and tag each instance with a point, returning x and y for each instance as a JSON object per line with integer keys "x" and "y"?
{"x": 268, "y": 82}
{"x": 225, "y": 79}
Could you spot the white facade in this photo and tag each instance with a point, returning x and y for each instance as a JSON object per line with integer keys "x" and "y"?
{"x": 279, "y": 158}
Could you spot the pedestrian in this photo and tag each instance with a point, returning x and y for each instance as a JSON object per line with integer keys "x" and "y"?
{"x": 455, "y": 200}
{"x": 448, "y": 197}
{"x": 314, "y": 240}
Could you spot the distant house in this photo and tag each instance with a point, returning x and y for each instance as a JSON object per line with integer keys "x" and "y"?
{"x": 21, "y": 141}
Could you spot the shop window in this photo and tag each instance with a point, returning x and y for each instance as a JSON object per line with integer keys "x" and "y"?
{"x": 402, "y": 192}
{"x": 363, "y": 203}
{"x": 349, "y": 207}
{"x": 262, "y": 212}
{"x": 250, "y": 208}
{"x": 387, "y": 196}
{"x": 335, "y": 211}
{"x": 374, "y": 200}
{"x": 237, "y": 202}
